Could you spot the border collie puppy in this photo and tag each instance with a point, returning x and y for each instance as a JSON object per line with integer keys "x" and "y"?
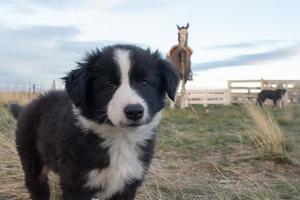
{"x": 274, "y": 95}
{"x": 98, "y": 135}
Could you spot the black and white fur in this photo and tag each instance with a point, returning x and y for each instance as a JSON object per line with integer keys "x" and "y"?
{"x": 274, "y": 95}
{"x": 98, "y": 135}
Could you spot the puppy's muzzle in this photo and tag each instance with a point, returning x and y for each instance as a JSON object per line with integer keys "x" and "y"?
{"x": 134, "y": 112}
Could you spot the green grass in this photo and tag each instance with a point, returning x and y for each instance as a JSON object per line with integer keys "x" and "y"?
{"x": 194, "y": 132}
{"x": 208, "y": 155}
{"x": 217, "y": 160}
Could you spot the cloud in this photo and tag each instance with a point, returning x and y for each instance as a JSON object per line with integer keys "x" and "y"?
{"x": 250, "y": 59}
{"x": 243, "y": 45}
{"x": 35, "y": 53}
{"x": 54, "y": 4}
{"x": 38, "y": 32}
{"x": 32, "y": 44}
{"x": 41, "y": 52}
{"x": 29, "y": 3}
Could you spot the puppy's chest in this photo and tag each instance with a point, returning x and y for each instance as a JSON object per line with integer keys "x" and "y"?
{"x": 124, "y": 167}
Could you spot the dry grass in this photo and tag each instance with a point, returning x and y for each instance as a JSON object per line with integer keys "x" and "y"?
{"x": 20, "y": 97}
{"x": 287, "y": 116}
{"x": 11, "y": 173}
{"x": 181, "y": 181}
{"x": 265, "y": 132}
{"x": 200, "y": 158}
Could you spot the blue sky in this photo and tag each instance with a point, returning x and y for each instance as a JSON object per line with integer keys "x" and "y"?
{"x": 232, "y": 39}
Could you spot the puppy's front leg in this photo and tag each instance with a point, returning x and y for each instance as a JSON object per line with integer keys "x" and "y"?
{"x": 127, "y": 194}
{"x": 71, "y": 194}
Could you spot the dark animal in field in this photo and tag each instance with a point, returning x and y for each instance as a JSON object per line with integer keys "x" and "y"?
{"x": 274, "y": 95}
{"x": 98, "y": 135}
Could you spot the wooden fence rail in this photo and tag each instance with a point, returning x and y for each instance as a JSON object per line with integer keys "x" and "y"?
{"x": 206, "y": 97}
{"x": 241, "y": 90}
{"x": 29, "y": 87}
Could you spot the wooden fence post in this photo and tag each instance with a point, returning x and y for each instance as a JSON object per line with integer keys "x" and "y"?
{"x": 53, "y": 85}
{"x": 229, "y": 92}
{"x": 262, "y": 85}
{"x": 33, "y": 88}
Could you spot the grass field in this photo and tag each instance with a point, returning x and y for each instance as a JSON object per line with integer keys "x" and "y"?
{"x": 203, "y": 154}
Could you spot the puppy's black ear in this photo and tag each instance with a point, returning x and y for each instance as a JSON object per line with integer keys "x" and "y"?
{"x": 75, "y": 85}
{"x": 170, "y": 78}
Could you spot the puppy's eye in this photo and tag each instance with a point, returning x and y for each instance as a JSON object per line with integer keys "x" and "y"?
{"x": 144, "y": 83}
{"x": 110, "y": 85}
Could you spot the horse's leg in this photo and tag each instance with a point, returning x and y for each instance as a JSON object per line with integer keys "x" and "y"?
{"x": 183, "y": 94}
{"x": 183, "y": 66}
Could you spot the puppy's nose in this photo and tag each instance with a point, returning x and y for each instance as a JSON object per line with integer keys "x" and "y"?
{"x": 134, "y": 111}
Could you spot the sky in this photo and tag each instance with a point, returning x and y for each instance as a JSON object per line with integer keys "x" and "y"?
{"x": 41, "y": 41}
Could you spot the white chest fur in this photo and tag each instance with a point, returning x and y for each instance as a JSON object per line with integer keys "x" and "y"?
{"x": 123, "y": 150}
{"x": 124, "y": 166}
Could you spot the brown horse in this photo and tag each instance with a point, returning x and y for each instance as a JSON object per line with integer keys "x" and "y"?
{"x": 180, "y": 54}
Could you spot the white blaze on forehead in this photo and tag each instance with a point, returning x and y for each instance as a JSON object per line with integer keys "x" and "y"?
{"x": 124, "y": 95}
{"x": 122, "y": 57}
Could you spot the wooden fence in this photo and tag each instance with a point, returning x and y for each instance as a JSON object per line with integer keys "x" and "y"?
{"x": 241, "y": 90}
{"x": 206, "y": 97}
{"x": 27, "y": 87}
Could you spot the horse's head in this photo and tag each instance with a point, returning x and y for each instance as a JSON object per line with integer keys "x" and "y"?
{"x": 183, "y": 35}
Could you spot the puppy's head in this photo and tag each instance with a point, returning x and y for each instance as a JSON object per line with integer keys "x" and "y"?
{"x": 122, "y": 85}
